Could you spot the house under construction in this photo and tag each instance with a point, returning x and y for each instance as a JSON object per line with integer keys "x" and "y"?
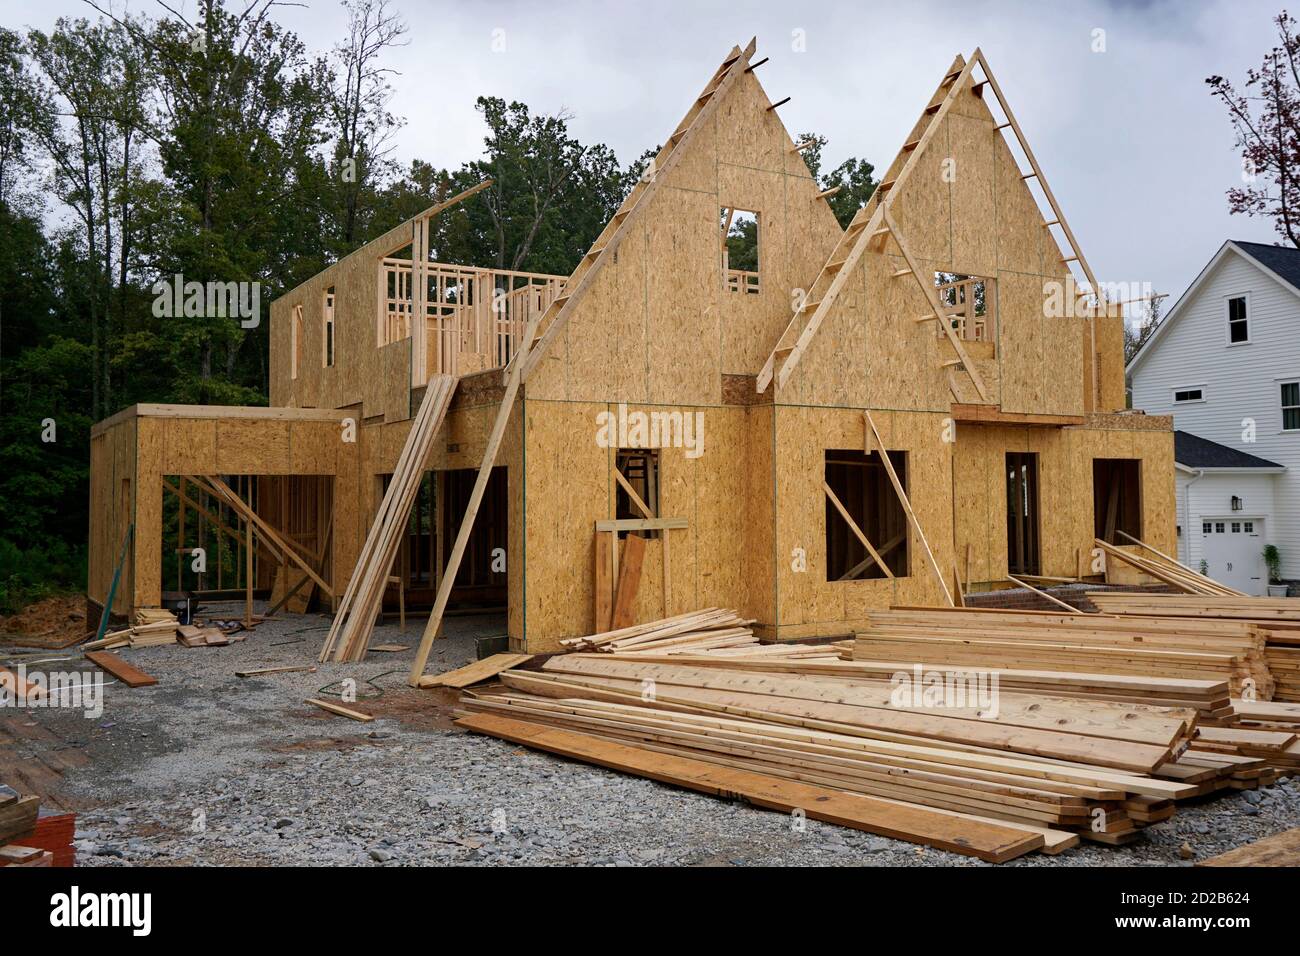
{"x": 920, "y": 404}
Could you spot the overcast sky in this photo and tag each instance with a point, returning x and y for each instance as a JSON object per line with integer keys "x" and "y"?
{"x": 1137, "y": 152}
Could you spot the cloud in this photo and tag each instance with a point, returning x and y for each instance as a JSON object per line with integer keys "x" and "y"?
{"x": 1137, "y": 153}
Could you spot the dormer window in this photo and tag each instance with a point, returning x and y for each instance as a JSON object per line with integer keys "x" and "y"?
{"x": 1238, "y": 320}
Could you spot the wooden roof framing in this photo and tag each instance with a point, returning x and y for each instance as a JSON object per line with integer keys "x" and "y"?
{"x": 606, "y": 245}
{"x": 1059, "y": 220}
{"x": 868, "y": 225}
{"x": 874, "y": 222}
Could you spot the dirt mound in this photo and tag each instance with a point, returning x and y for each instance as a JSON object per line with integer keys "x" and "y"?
{"x": 53, "y": 622}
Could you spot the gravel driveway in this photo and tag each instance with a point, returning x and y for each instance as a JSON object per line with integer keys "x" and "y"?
{"x": 205, "y": 768}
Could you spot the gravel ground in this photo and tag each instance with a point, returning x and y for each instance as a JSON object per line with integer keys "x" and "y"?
{"x": 206, "y": 768}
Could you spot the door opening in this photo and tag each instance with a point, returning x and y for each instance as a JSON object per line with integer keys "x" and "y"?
{"x": 1022, "y": 513}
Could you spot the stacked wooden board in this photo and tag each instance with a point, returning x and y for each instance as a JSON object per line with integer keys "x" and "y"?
{"x": 1063, "y": 767}
{"x": 1053, "y": 750}
{"x": 153, "y": 627}
{"x": 1276, "y": 619}
{"x": 354, "y": 621}
{"x": 1092, "y": 643}
{"x": 1277, "y": 610}
{"x": 709, "y": 629}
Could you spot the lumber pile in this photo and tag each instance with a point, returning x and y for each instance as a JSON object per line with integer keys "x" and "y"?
{"x": 1067, "y": 768}
{"x": 1266, "y": 730}
{"x": 362, "y": 601}
{"x": 1089, "y": 643}
{"x": 712, "y": 629}
{"x": 153, "y": 626}
{"x": 1277, "y": 619}
{"x": 1242, "y": 608}
{"x": 1162, "y": 567}
{"x": 990, "y": 840}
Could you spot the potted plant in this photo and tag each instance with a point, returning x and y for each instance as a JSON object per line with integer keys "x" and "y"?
{"x": 1273, "y": 560}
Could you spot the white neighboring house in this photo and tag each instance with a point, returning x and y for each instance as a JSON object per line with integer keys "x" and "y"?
{"x": 1225, "y": 362}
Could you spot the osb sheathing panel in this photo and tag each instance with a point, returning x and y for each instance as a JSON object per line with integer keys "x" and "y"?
{"x": 757, "y": 506}
{"x": 567, "y": 489}
{"x": 1065, "y": 458}
{"x": 655, "y": 324}
{"x": 964, "y": 208}
{"x": 362, "y": 373}
{"x": 971, "y": 146}
{"x": 868, "y": 351}
{"x": 112, "y": 461}
{"x": 169, "y": 446}
{"x": 922, "y": 207}
{"x": 148, "y": 511}
{"x": 1020, "y": 341}
{"x": 1110, "y": 345}
{"x": 570, "y": 486}
{"x": 681, "y": 337}
{"x": 807, "y": 602}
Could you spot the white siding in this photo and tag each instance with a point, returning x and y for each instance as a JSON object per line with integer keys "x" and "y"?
{"x": 1240, "y": 382}
{"x": 1211, "y": 499}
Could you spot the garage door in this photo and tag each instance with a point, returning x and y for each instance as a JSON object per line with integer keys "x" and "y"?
{"x": 1233, "y": 548}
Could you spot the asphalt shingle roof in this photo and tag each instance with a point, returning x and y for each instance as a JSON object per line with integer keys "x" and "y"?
{"x": 1197, "y": 452}
{"x": 1284, "y": 260}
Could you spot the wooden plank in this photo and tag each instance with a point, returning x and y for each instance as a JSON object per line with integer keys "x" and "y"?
{"x": 126, "y": 673}
{"x": 15, "y": 854}
{"x": 339, "y": 709}
{"x": 603, "y": 592}
{"x": 476, "y": 672}
{"x": 863, "y": 721}
{"x": 986, "y": 841}
{"x": 641, "y": 524}
{"x": 629, "y": 581}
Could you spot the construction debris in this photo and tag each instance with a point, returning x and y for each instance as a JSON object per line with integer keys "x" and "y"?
{"x": 477, "y": 672}
{"x": 339, "y": 709}
{"x": 263, "y": 671}
{"x": 711, "y": 628}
